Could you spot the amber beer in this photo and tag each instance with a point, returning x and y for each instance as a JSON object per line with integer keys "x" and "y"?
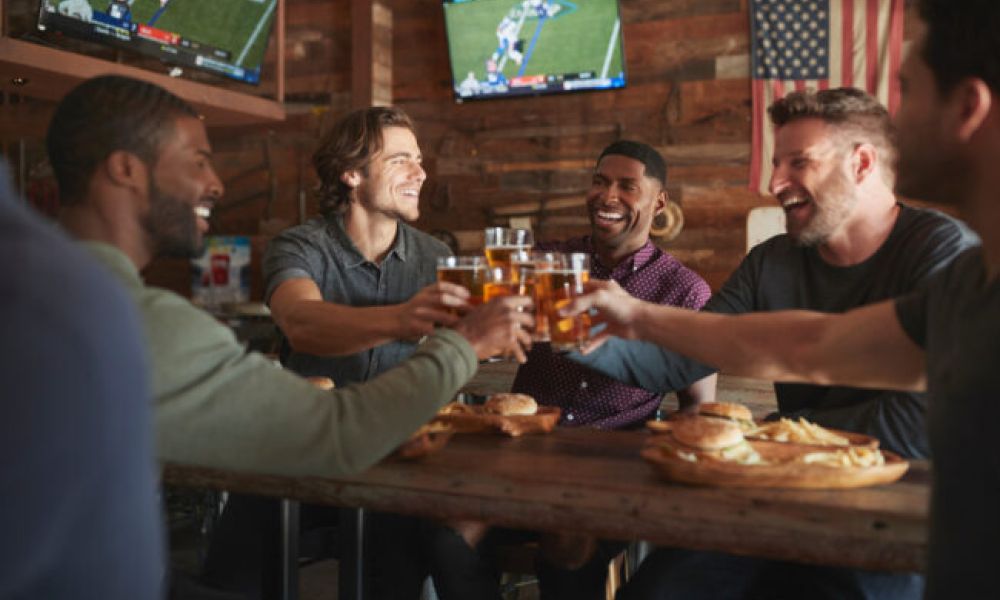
{"x": 502, "y": 243}
{"x": 556, "y": 287}
{"x": 524, "y": 271}
{"x": 466, "y": 271}
{"x": 503, "y": 256}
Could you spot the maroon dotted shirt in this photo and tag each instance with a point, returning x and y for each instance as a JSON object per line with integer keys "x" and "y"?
{"x": 586, "y": 397}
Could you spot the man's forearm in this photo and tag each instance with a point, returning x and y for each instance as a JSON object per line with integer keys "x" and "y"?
{"x": 326, "y": 329}
{"x": 643, "y": 364}
{"x": 865, "y": 347}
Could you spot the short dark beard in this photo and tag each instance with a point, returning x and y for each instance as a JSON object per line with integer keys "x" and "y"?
{"x": 172, "y": 226}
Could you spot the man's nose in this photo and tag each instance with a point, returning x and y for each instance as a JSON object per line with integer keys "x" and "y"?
{"x": 778, "y": 182}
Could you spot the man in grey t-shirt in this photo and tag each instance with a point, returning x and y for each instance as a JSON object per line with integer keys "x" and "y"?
{"x": 849, "y": 244}
{"x": 944, "y": 338}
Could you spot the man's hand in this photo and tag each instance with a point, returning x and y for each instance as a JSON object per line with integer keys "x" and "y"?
{"x": 499, "y": 328}
{"x": 429, "y": 307}
{"x": 616, "y": 309}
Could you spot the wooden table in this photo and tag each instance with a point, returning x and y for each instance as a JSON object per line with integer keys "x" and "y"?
{"x": 596, "y": 482}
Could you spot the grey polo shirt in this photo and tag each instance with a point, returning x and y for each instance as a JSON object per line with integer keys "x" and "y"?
{"x": 321, "y": 250}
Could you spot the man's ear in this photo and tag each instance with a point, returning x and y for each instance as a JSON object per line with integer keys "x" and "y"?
{"x": 660, "y": 202}
{"x": 975, "y": 100}
{"x": 352, "y": 178}
{"x": 863, "y": 161}
{"x": 125, "y": 169}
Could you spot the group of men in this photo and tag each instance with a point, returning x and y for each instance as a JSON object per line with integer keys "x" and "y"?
{"x": 354, "y": 294}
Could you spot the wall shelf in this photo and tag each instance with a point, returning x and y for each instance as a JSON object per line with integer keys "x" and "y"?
{"x": 48, "y": 73}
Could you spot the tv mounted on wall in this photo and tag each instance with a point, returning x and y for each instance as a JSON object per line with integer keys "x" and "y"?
{"x": 226, "y": 37}
{"x": 502, "y": 48}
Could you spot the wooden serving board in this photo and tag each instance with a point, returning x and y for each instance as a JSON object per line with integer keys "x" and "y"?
{"x": 474, "y": 419}
{"x": 781, "y": 471}
{"x": 425, "y": 441}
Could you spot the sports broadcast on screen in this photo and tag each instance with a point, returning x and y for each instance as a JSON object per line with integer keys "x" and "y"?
{"x": 525, "y": 47}
{"x": 228, "y": 37}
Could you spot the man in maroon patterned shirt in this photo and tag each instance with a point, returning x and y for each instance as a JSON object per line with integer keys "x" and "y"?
{"x": 627, "y": 191}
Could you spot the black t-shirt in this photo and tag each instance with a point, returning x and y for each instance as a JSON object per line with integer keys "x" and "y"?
{"x": 779, "y": 275}
{"x": 956, "y": 319}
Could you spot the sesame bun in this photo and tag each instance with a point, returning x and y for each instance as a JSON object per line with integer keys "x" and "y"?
{"x": 726, "y": 410}
{"x": 511, "y": 404}
{"x": 707, "y": 433}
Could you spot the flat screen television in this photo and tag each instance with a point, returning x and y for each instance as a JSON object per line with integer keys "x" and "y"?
{"x": 502, "y": 48}
{"x": 227, "y": 37}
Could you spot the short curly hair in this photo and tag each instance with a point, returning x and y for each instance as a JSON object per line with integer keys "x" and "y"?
{"x": 349, "y": 145}
{"x": 104, "y": 115}
{"x": 857, "y": 116}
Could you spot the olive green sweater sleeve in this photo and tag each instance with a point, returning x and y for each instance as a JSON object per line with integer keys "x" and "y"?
{"x": 219, "y": 406}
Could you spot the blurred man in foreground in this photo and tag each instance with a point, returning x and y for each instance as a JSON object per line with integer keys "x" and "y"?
{"x": 80, "y": 513}
{"x": 944, "y": 338}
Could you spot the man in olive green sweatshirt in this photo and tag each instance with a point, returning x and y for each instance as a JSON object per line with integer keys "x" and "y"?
{"x": 136, "y": 182}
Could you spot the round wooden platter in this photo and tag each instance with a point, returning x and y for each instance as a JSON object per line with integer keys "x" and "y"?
{"x": 426, "y": 440}
{"x": 474, "y": 419}
{"x": 781, "y": 471}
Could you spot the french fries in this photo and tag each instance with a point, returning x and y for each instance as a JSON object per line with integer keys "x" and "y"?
{"x": 854, "y": 456}
{"x": 801, "y": 431}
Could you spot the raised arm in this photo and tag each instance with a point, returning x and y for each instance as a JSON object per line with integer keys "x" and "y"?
{"x": 865, "y": 347}
{"x": 314, "y": 326}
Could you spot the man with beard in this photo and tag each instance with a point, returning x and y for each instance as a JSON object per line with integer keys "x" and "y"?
{"x": 849, "y": 243}
{"x": 627, "y": 191}
{"x": 944, "y": 338}
{"x": 136, "y": 182}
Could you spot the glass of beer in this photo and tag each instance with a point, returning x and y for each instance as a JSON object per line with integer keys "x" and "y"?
{"x": 500, "y": 282}
{"x": 502, "y": 243}
{"x": 467, "y": 271}
{"x": 556, "y": 286}
{"x": 525, "y": 266}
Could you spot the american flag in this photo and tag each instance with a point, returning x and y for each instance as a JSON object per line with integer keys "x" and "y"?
{"x": 819, "y": 44}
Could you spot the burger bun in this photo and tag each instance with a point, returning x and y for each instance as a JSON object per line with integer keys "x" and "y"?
{"x": 508, "y": 405}
{"x": 726, "y": 410}
{"x": 705, "y": 433}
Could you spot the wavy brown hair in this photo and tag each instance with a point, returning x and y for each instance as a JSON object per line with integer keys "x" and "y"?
{"x": 349, "y": 145}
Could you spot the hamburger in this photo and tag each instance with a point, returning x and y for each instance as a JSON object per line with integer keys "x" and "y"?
{"x": 509, "y": 405}
{"x": 736, "y": 413}
{"x": 700, "y": 438}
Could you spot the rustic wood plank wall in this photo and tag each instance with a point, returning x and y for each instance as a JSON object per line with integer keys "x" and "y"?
{"x": 688, "y": 94}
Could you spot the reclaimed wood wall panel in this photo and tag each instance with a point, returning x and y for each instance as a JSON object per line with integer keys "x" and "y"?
{"x": 688, "y": 94}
